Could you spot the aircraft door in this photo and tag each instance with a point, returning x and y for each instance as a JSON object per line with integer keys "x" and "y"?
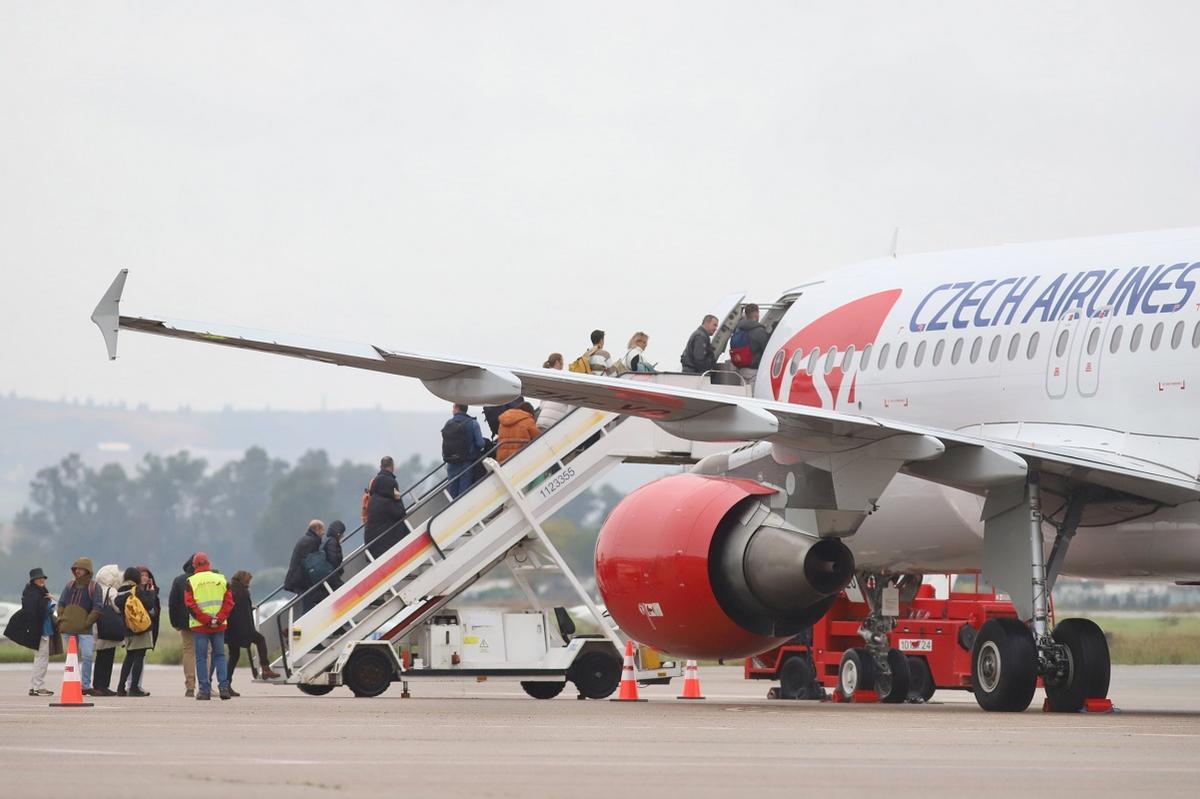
{"x": 728, "y": 311}
{"x": 1095, "y": 332}
{"x": 1060, "y": 354}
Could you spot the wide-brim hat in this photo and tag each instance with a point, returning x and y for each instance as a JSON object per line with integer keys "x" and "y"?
{"x": 36, "y": 574}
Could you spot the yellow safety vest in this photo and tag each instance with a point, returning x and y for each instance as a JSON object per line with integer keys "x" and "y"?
{"x": 208, "y": 589}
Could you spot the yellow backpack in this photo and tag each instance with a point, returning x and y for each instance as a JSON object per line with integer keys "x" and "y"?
{"x": 583, "y": 364}
{"x": 137, "y": 620}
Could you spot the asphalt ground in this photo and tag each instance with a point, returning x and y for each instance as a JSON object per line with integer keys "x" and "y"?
{"x": 464, "y": 739}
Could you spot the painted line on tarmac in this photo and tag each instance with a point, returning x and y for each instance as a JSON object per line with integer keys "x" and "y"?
{"x": 60, "y": 751}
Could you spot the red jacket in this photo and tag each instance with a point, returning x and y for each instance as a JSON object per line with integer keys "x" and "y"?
{"x": 208, "y": 623}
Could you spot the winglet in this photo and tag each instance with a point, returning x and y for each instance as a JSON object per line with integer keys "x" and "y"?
{"x": 107, "y": 315}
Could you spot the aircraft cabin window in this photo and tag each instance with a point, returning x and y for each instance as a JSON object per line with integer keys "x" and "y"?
{"x": 1031, "y": 350}
{"x": 812, "y": 361}
{"x": 1093, "y": 341}
{"x": 777, "y": 364}
{"x": 901, "y": 355}
{"x": 1156, "y": 336}
{"x": 794, "y": 366}
{"x": 994, "y": 350}
{"x": 848, "y": 359}
{"x": 938, "y": 349}
{"x": 1196, "y": 336}
{"x": 1115, "y": 344}
{"x": 976, "y": 348}
{"x": 1014, "y": 347}
{"x": 865, "y": 360}
{"x": 1060, "y": 349}
{"x": 956, "y": 353}
{"x": 829, "y": 359}
{"x": 1177, "y": 335}
{"x": 1135, "y": 338}
{"x": 919, "y": 356}
{"x": 883, "y": 355}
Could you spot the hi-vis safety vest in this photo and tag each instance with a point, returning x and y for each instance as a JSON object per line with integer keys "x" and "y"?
{"x": 208, "y": 589}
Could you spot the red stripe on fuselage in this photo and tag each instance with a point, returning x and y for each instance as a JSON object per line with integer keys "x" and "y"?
{"x": 855, "y": 324}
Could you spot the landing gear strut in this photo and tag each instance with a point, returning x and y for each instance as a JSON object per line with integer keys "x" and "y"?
{"x": 877, "y": 666}
{"x": 1008, "y": 656}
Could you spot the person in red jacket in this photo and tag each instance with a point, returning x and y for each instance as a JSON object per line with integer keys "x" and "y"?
{"x": 209, "y": 602}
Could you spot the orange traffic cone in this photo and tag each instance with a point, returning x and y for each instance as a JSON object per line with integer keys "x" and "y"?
{"x": 628, "y": 692}
{"x": 72, "y": 690}
{"x": 691, "y": 682}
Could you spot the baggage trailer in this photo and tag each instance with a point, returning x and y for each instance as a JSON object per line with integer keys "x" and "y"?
{"x": 934, "y": 635}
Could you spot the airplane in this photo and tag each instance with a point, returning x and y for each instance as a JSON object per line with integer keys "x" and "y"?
{"x": 985, "y": 410}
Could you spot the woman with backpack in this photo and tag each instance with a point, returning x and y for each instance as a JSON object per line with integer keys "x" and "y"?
{"x": 138, "y": 609}
{"x": 110, "y": 630}
{"x": 635, "y": 358}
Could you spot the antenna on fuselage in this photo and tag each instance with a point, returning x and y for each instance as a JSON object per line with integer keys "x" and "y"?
{"x": 895, "y": 240}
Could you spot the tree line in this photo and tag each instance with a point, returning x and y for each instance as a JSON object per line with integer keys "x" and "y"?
{"x": 246, "y": 514}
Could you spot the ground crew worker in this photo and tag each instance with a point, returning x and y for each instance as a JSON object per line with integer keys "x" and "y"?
{"x": 209, "y": 601}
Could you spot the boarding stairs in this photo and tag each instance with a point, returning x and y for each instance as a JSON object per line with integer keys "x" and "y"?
{"x": 449, "y": 543}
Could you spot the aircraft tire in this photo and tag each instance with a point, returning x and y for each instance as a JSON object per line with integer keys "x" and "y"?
{"x": 920, "y": 680}
{"x": 1090, "y": 666}
{"x": 795, "y": 677}
{"x": 1004, "y": 666}
{"x": 899, "y": 682}
{"x": 856, "y": 672}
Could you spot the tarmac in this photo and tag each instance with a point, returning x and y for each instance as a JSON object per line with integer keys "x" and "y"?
{"x": 468, "y": 739}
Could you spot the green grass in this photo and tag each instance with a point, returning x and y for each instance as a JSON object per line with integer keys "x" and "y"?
{"x": 1152, "y": 640}
{"x": 168, "y": 651}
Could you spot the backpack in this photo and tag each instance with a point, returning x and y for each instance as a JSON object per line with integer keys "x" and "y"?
{"x": 583, "y": 364}
{"x": 317, "y": 567}
{"x": 366, "y": 499}
{"x": 739, "y": 349}
{"x": 456, "y": 445}
{"x": 136, "y": 617}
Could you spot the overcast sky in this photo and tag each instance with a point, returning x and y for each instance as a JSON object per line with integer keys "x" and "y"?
{"x": 495, "y": 179}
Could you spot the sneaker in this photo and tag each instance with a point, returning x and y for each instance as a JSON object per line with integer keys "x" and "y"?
{"x": 226, "y": 693}
{"x": 189, "y": 693}
{"x": 138, "y": 692}
{"x": 202, "y": 697}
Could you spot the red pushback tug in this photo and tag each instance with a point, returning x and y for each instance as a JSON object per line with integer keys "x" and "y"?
{"x": 934, "y": 635}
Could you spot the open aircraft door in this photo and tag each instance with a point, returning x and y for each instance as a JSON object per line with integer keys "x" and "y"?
{"x": 1095, "y": 333}
{"x": 728, "y": 311}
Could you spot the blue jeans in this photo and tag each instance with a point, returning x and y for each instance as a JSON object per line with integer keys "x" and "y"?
{"x": 203, "y": 641}
{"x": 87, "y": 654}
{"x": 460, "y": 477}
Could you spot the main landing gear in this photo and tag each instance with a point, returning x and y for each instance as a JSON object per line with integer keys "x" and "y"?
{"x": 876, "y": 666}
{"x": 1009, "y": 656}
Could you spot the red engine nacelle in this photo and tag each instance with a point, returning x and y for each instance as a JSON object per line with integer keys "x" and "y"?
{"x": 699, "y": 567}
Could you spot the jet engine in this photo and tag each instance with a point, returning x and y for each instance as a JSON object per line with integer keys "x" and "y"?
{"x": 701, "y": 567}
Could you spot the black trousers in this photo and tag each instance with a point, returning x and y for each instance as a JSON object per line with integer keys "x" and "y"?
{"x": 131, "y": 669}
{"x": 102, "y": 668}
{"x": 235, "y": 653}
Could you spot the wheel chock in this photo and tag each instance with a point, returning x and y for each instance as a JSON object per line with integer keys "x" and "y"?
{"x": 1101, "y": 706}
{"x": 859, "y": 698}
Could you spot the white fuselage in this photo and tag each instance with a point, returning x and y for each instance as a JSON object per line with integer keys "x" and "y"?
{"x": 1091, "y": 344}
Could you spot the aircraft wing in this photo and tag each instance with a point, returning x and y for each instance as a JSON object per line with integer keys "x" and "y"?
{"x": 838, "y": 442}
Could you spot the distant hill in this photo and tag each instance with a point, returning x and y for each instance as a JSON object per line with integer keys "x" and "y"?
{"x": 38, "y": 433}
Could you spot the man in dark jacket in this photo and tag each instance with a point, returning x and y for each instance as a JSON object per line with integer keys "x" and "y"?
{"x": 462, "y": 445}
{"x": 385, "y": 510}
{"x": 297, "y": 580}
{"x": 698, "y": 356}
{"x": 178, "y": 614}
{"x": 33, "y": 628}
{"x": 756, "y": 334}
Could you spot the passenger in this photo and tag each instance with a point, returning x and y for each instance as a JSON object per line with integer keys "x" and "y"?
{"x": 748, "y": 343}
{"x": 149, "y": 586}
{"x": 177, "y": 614}
{"x": 517, "y": 429}
{"x": 209, "y": 603}
{"x": 297, "y": 580}
{"x": 491, "y": 414}
{"x": 385, "y": 510}
{"x": 462, "y": 445}
{"x": 551, "y": 412}
{"x": 241, "y": 632}
{"x": 635, "y": 358}
{"x": 136, "y": 644}
{"x": 698, "y": 356}
{"x": 109, "y": 579}
{"x": 79, "y": 609}
{"x": 33, "y": 627}
{"x": 599, "y": 360}
{"x": 331, "y": 548}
